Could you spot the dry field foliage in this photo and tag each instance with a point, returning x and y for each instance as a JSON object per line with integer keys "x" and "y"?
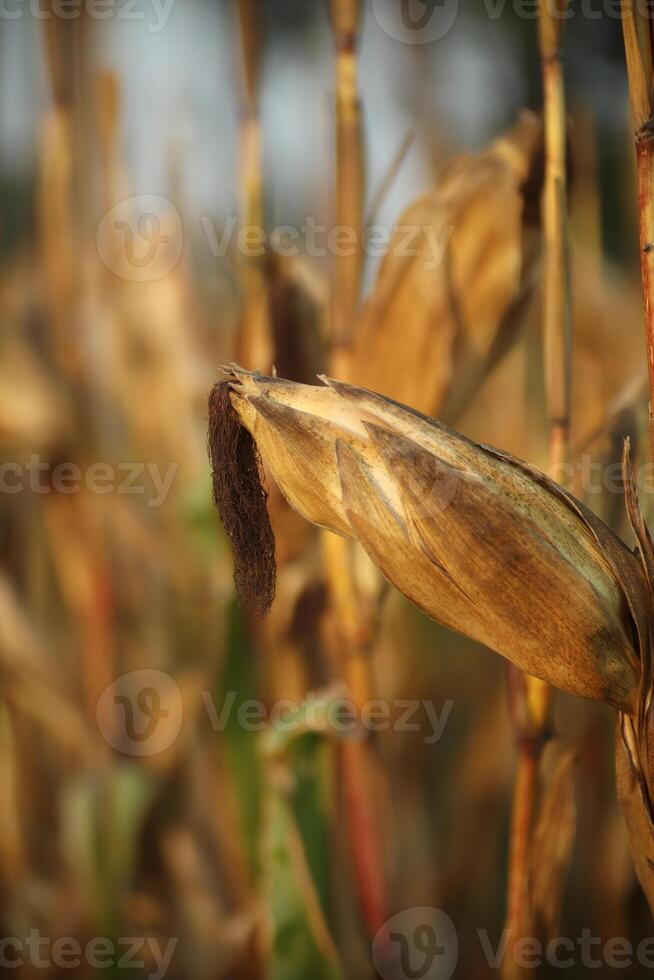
{"x": 374, "y": 548}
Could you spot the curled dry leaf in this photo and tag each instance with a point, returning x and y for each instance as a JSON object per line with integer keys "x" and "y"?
{"x": 460, "y": 267}
{"x": 635, "y": 737}
{"x": 480, "y": 541}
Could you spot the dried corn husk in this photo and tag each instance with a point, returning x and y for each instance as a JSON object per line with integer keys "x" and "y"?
{"x": 477, "y": 539}
{"x": 451, "y": 292}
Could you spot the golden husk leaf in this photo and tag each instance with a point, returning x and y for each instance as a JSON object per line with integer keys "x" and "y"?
{"x": 459, "y": 269}
{"x": 480, "y": 541}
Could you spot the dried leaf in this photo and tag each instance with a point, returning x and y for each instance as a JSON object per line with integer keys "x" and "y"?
{"x": 635, "y": 737}
{"x": 635, "y": 805}
{"x": 450, "y": 293}
{"x": 480, "y": 541}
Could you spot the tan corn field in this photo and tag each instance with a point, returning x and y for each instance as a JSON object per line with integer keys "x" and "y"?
{"x": 275, "y": 742}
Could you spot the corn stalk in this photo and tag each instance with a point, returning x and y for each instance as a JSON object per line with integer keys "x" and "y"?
{"x": 634, "y": 762}
{"x": 358, "y": 762}
{"x": 531, "y": 697}
{"x": 345, "y": 15}
{"x": 637, "y": 32}
{"x": 255, "y": 343}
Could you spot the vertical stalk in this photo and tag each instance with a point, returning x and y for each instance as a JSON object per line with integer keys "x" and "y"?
{"x": 645, "y": 172}
{"x": 254, "y": 346}
{"x": 358, "y": 762}
{"x": 638, "y": 41}
{"x": 533, "y": 729}
{"x": 522, "y": 819}
{"x": 251, "y": 188}
{"x": 349, "y": 191}
{"x": 65, "y": 229}
{"x": 637, "y": 32}
{"x": 57, "y": 207}
{"x": 530, "y": 701}
{"x": 556, "y": 299}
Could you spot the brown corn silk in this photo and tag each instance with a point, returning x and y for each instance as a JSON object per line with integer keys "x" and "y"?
{"x": 240, "y": 498}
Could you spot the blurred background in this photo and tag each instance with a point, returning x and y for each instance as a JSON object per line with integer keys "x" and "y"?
{"x": 147, "y": 787}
